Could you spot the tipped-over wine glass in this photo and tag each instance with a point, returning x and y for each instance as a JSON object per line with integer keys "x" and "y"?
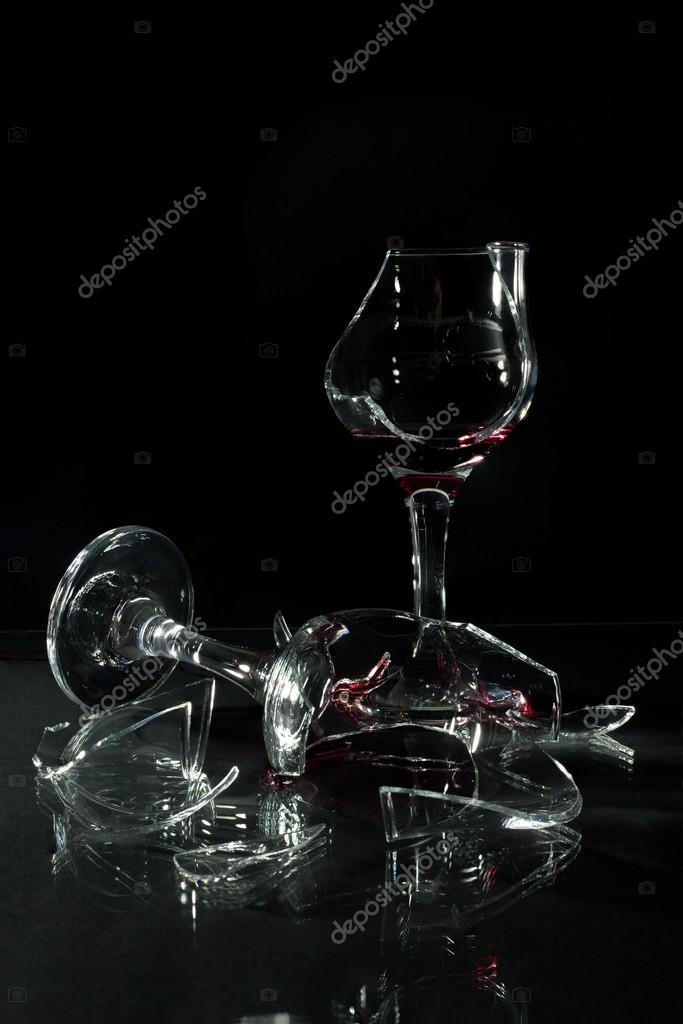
{"x": 121, "y": 618}
{"x": 120, "y": 621}
{"x": 435, "y": 370}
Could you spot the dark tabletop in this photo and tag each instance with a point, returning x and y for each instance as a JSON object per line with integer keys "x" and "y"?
{"x": 601, "y": 944}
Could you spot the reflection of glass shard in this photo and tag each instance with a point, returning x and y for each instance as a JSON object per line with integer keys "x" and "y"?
{"x": 247, "y": 869}
{"x": 450, "y": 997}
{"x": 481, "y": 867}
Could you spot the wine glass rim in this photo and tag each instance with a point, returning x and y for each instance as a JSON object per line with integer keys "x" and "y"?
{"x": 476, "y": 250}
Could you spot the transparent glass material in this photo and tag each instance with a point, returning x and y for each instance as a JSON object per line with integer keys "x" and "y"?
{"x": 427, "y": 777}
{"x": 353, "y": 670}
{"x": 434, "y": 884}
{"x": 123, "y": 611}
{"x": 589, "y": 730}
{"x": 380, "y": 653}
{"x": 595, "y": 721}
{"x": 434, "y": 371}
{"x": 137, "y": 770}
{"x": 247, "y": 869}
{"x": 109, "y": 627}
{"x": 114, "y": 873}
{"x": 484, "y": 866}
{"x": 234, "y": 850}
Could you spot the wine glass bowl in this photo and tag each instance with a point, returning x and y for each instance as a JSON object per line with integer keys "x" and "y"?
{"x": 439, "y": 359}
{"x": 438, "y": 355}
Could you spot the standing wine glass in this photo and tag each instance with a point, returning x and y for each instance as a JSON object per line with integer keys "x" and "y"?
{"x": 435, "y": 369}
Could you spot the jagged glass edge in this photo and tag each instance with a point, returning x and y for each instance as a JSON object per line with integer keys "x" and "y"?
{"x": 515, "y": 819}
{"x": 192, "y": 760}
{"x": 203, "y": 797}
{"x": 199, "y": 737}
{"x": 191, "y": 763}
{"x": 284, "y": 851}
{"x": 599, "y": 710}
{"x": 543, "y": 875}
{"x": 76, "y": 744}
{"x": 527, "y": 721}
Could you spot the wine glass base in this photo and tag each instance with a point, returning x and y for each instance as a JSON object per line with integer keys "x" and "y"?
{"x": 122, "y": 564}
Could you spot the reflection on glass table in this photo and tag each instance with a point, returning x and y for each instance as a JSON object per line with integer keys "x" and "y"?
{"x": 286, "y": 838}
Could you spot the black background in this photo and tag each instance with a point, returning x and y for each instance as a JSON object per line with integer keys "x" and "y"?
{"x": 246, "y": 453}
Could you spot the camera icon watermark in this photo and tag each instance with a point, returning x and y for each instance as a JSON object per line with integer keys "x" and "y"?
{"x": 142, "y": 888}
{"x": 268, "y": 350}
{"x": 647, "y": 28}
{"x": 268, "y": 135}
{"x": 521, "y": 134}
{"x": 17, "y": 564}
{"x": 17, "y": 351}
{"x": 521, "y": 564}
{"x": 17, "y": 134}
{"x": 395, "y": 242}
{"x": 269, "y": 565}
{"x": 521, "y": 994}
{"x": 142, "y": 28}
{"x": 16, "y": 994}
{"x": 646, "y": 458}
{"x": 142, "y": 458}
{"x": 268, "y": 995}
{"x": 16, "y": 780}
{"x": 647, "y": 888}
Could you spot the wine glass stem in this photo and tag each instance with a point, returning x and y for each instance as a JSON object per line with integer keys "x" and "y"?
{"x": 162, "y": 637}
{"x": 429, "y": 511}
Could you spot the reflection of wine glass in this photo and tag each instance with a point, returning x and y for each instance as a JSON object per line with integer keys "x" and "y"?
{"x": 436, "y": 368}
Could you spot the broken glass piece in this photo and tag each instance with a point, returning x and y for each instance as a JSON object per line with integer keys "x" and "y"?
{"x": 486, "y": 759}
{"x": 597, "y": 720}
{"x": 513, "y": 776}
{"x": 120, "y": 619}
{"x": 137, "y": 769}
{"x": 380, "y": 678}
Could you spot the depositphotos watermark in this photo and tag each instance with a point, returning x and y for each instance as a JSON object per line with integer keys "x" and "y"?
{"x": 131, "y": 250}
{"x": 405, "y": 877}
{"x": 639, "y": 677}
{"x": 382, "y": 39}
{"x": 400, "y": 456}
{"x": 638, "y": 248}
{"x": 132, "y": 680}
